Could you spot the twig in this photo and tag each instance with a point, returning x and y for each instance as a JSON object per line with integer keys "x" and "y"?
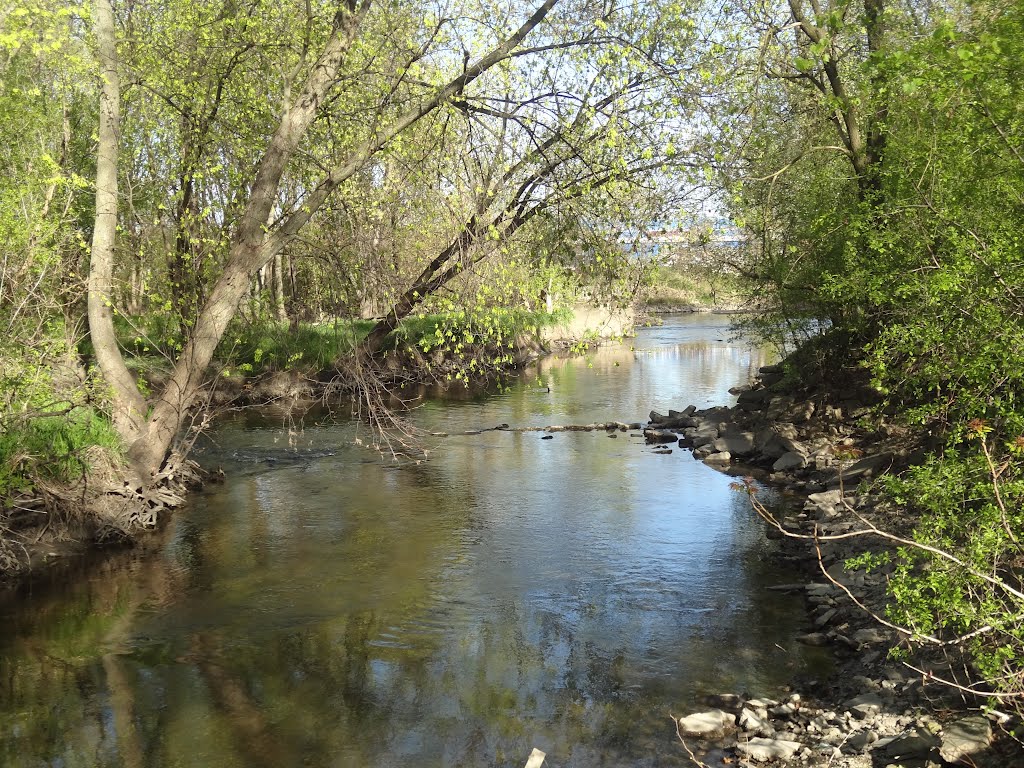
{"x": 693, "y": 758}
{"x": 965, "y": 688}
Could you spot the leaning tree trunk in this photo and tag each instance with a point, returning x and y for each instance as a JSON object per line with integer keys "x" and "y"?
{"x": 253, "y": 247}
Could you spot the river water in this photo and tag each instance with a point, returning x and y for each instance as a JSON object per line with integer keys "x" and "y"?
{"x": 323, "y": 608}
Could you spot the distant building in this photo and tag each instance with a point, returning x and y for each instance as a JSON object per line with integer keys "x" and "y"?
{"x": 697, "y": 243}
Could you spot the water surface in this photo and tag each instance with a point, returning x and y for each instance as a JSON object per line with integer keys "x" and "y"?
{"x": 322, "y": 608}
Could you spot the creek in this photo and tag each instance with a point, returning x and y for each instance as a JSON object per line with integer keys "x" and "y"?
{"x": 324, "y": 608}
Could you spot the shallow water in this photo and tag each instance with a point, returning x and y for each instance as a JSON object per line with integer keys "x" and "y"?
{"x": 322, "y": 608}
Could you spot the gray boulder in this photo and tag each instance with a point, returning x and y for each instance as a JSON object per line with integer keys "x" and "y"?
{"x": 719, "y": 457}
{"x": 789, "y": 461}
{"x": 756, "y": 723}
{"x": 914, "y": 744}
{"x": 736, "y": 443}
{"x": 964, "y": 738}
{"x": 762, "y": 749}
{"x": 660, "y": 436}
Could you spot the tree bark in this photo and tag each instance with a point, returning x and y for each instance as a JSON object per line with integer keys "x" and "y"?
{"x": 127, "y": 403}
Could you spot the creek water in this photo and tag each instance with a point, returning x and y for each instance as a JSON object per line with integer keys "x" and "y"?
{"x": 323, "y": 608}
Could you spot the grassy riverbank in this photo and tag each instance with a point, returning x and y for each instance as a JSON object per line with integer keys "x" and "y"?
{"x": 693, "y": 288}
{"x": 52, "y": 454}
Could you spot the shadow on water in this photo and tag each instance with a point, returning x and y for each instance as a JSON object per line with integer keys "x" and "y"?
{"x": 320, "y": 608}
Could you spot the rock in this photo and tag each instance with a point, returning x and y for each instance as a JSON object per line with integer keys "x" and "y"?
{"x": 787, "y": 709}
{"x": 847, "y": 578}
{"x": 860, "y": 741}
{"x": 825, "y": 618}
{"x": 721, "y": 457}
{"x": 813, "y": 639}
{"x": 869, "y": 466}
{"x": 768, "y": 443}
{"x": 736, "y": 443}
{"x": 663, "y": 451}
{"x": 754, "y": 396}
{"x": 820, "y": 589}
{"x": 914, "y": 744}
{"x": 707, "y": 725}
{"x": 827, "y": 501}
{"x": 702, "y": 452}
{"x": 865, "y": 683}
{"x": 762, "y": 749}
{"x": 723, "y": 701}
{"x": 548, "y": 437}
{"x": 965, "y": 737}
{"x": 869, "y": 636}
{"x": 751, "y": 722}
{"x": 656, "y": 418}
{"x": 778, "y": 406}
{"x": 699, "y": 440}
{"x": 683, "y": 414}
{"x": 801, "y": 412}
{"x": 864, "y": 706}
{"x": 660, "y": 436}
{"x": 786, "y": 588}
{"x": 788, "y": 461}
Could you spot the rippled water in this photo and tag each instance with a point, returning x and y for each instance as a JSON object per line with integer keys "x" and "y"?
{"x": 321, "y": 608}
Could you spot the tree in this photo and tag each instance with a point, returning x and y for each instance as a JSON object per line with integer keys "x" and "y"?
{"x": 149, "y": 436}
{"x": 529, "y": 132}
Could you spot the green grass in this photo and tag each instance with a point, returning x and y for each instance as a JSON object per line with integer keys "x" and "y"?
{"x": 276, "y": 346}
{"x": 51, "y": 448}
{"x": 254, "y": 348}
{"x": 679, "y": 286}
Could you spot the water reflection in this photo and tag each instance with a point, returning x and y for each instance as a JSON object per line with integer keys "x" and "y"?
{"x": 323, "y": 609}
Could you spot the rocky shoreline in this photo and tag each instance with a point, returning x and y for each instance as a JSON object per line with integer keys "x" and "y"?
{"x": 824, "y": 445}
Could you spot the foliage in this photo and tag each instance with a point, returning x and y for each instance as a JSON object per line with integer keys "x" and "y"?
{"x": 470, "y": 345}
{"x": 272, "y": 346}
{"x": 50, "y": 449}
{"x": 693, "y": 286}
{"x": 914, "y": 261}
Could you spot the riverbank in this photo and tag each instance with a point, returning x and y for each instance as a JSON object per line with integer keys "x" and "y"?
{"x": 51, "y": 521}
{"x": 890, "y": 701}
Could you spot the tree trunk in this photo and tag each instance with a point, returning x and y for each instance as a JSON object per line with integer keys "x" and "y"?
{"x": 279, "y": 303}
{"x": 253, "y": 247}
{"x": 127, "y": 404}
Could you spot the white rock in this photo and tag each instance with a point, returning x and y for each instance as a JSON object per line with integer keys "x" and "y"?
{"x": 706, "y": 724}
{"x": 761, "y": 749}
{"x": 753, "y": 723}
